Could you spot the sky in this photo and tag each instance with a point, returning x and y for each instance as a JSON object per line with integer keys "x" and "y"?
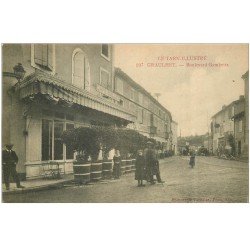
{"x": 191, "y": 92}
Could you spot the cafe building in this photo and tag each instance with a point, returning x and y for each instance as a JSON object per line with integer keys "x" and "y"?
{"x": 56, "y": 87}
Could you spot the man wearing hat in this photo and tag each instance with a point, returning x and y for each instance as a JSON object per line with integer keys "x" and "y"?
{"x": 152, "y": 164}
{"x": 150, "y": 158}
{"x": 9, "y": 160}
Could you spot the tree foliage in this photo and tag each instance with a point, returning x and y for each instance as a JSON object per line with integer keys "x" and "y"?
{"x": 88, "y": 141}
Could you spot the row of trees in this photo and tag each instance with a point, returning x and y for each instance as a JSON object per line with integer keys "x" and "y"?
{"x": 88, "y": 141}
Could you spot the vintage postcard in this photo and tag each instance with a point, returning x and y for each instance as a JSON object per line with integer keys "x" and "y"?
{"x": 125, "y": 123}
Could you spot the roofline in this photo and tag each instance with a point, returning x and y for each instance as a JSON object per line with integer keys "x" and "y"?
{"x": 227, "y": 106}
{"x": 245, "y": 76}
{"x": 138, "y": 86}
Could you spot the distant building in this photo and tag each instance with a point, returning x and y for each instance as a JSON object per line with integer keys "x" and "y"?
{"x": 152, "y": 119}
{"x": 208, "y": 142}
{"x": 223, "y": 127}
{"x": 174, "y": 128}
{"x": 245, "y": 148}
{"x": 239, "y": 126}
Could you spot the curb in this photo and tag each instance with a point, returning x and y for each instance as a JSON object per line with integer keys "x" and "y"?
{"x": 37, "y": 188}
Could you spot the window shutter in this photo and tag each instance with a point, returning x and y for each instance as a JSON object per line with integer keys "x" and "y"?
{"x": 50, "y": 56}
{"x": 78, "y": 74}
{"x": 104, "y": 79}
{"x": 87, "y": 74}
{"x": 45, "y": 55}
{"x": 38, "y": 54}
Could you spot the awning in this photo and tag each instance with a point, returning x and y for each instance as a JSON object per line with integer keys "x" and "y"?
{"x": 60, "y": 91}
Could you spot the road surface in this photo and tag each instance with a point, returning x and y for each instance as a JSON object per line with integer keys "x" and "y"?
{"x": 211, "y": 180}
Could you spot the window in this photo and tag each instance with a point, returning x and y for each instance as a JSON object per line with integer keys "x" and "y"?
{"x": 140, "y": 115}
{"x": 52, "y": 146}
{"x": 119, "y": 86}
{"x": 132, "y": 94}
{"x": 126, "y": 90}
{"x": 136, "y": 96}
{"x": 140, "y": 97}
{"x": 43, "y": 57}
{"x": 105, "y": 51}
{"x": 78, "y": 73}
{"x": 80, "y": 70}
{"x": 240, "y": 126}
{"x": 69, "y": 150}
{"x": 105, "y": 79}
{"x": 46, "y": 140}
{"x": 58, "y": 145}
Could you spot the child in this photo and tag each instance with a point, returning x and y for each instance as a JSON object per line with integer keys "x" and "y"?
{"x": 140, "y": 168}
{"x": 117, "y": 165}
{"x": 192, "y": 160}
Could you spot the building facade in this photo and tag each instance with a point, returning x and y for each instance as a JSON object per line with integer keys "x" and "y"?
{"x": 65, "y": 86}
{"x": 174, "y": 134}
{"x": 152, "y": 119}
{"x": 245, "y": 152}
{"x": 227, "y": 128}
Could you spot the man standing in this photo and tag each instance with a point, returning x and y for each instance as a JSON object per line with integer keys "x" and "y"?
{"x": 10, "y": 160}
{"x": 152, "y": 164}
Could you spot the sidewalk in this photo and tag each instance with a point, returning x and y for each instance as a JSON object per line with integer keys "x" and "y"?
{"x": 235, "y": 159}
{"x": 37, "y": 184}
{"x": 43, "y": 184}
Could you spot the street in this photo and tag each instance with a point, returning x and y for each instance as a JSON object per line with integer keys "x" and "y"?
{"x": 211, "y": 180}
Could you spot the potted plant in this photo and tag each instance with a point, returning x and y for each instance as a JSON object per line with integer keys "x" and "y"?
{"x": 81, "y": 140}
{"x": 109, "y": 138}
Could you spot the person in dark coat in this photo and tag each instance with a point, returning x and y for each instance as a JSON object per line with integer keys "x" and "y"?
{"x": 150, "y": 159}
{"x": 117, "y": 165}
{"x": 156, "y": 171}
{"x": 140, "y": 168}
{"x": 9, "y": 161}
{"x": 192, "y": 160}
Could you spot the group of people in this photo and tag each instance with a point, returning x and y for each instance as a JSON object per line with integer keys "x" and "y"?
{"x": 146, "y": 166}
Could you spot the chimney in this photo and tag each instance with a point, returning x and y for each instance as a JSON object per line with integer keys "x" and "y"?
{"x": 241, "y": 97}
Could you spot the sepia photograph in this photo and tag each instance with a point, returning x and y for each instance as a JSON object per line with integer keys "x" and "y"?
{"x": 125, "y": 123}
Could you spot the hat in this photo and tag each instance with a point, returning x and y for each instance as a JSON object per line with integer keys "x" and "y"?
{"x": 9, "y": 144}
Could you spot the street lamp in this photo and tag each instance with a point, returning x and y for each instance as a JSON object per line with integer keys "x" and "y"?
{"x": 19, "y": 72}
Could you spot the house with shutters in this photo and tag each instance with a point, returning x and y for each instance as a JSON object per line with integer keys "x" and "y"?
{"x": 229, "y": 123}
{"x": 65, "y": 86}
{"x": 151, "y": 118}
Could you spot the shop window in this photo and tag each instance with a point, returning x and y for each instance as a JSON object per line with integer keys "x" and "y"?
{"x": 105, "y": 51}
{"x": 69, "y": 150}
{"x": 46, "y": 140}
{"x": 58, "y": 145}
{"x": 43, "y": 56}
